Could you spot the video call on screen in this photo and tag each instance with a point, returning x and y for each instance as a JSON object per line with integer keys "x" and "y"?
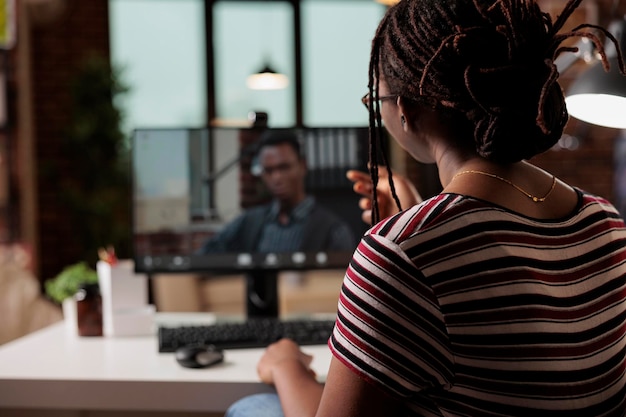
{"x": 189, "y": 183}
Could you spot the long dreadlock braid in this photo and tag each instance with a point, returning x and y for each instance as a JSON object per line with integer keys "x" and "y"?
{"x": 486, "y": 65}
{"x": 377, "y": 134}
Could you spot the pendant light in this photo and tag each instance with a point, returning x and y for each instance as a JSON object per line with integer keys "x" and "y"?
{"x": 598, "y": 96}
{"x": 388, "y": 2}
{"x": 267, "y": 79}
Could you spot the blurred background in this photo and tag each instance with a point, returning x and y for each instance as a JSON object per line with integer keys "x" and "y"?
{"x": 76, "y": 77}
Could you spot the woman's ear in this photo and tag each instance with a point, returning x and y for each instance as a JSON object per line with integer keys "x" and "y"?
{"x": 408, "y": 113}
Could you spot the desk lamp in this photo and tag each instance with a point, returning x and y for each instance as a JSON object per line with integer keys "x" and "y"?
{"x": 599, "y": 96}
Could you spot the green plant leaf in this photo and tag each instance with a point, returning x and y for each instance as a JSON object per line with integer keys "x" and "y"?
{"x": 67, "y": 282}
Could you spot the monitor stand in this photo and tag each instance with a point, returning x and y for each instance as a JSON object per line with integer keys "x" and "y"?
{"x": 262, "y": 294}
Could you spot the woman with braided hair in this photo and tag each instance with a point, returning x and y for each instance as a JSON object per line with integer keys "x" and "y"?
{"x": 505, "y": 294}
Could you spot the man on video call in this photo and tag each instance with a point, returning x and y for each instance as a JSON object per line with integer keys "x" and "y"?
{"x": 293, "y": 220}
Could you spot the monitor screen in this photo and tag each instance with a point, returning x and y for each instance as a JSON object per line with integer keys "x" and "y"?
{"x": 212, "y": 200}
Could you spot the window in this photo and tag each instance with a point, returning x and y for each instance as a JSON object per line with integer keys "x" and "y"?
{"x": 247, "y": 36}
{"x": 160, "y": 46}
{"x": 336, "y": 37}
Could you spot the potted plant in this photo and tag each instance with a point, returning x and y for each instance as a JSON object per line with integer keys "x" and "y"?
{"x": 62, "y": 288}
{"x": 67, "y": 282}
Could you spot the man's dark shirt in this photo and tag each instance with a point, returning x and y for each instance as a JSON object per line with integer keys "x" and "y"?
{"x": 311, "y": 227}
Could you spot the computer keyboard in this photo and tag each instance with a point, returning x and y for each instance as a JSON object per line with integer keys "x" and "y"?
{"x": 252, "y": 333}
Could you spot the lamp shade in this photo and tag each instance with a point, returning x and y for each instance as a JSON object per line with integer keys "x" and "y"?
{"x": 598, "y": 96}
{"x": 267, "y": 79}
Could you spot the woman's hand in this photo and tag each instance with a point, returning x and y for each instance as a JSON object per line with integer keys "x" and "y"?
{"x": 286, "y": 356}
{"x": 406, "y": 192}
{"x": 286, "y": 367}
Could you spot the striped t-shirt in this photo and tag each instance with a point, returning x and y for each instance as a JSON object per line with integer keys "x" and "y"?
{"x": 466, "y": 309}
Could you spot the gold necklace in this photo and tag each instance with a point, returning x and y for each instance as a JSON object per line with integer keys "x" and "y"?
{"x": 517, "y": 187}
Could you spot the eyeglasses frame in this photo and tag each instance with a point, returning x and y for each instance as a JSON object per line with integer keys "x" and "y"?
{"x": 367, "y": 100}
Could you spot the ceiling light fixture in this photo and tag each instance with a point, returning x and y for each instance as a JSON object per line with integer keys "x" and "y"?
{"x": 267, "y": 79}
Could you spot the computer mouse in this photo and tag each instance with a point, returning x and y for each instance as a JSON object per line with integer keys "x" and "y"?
{"x": 198, "y": 356}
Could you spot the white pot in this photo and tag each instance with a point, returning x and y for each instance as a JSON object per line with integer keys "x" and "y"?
{"x": 69, "y": 316}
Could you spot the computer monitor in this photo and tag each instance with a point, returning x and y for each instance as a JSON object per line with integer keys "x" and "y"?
{"x": 190, "y": 184}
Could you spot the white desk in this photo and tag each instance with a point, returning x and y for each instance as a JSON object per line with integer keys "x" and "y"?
{"x": 54, "y": 370}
